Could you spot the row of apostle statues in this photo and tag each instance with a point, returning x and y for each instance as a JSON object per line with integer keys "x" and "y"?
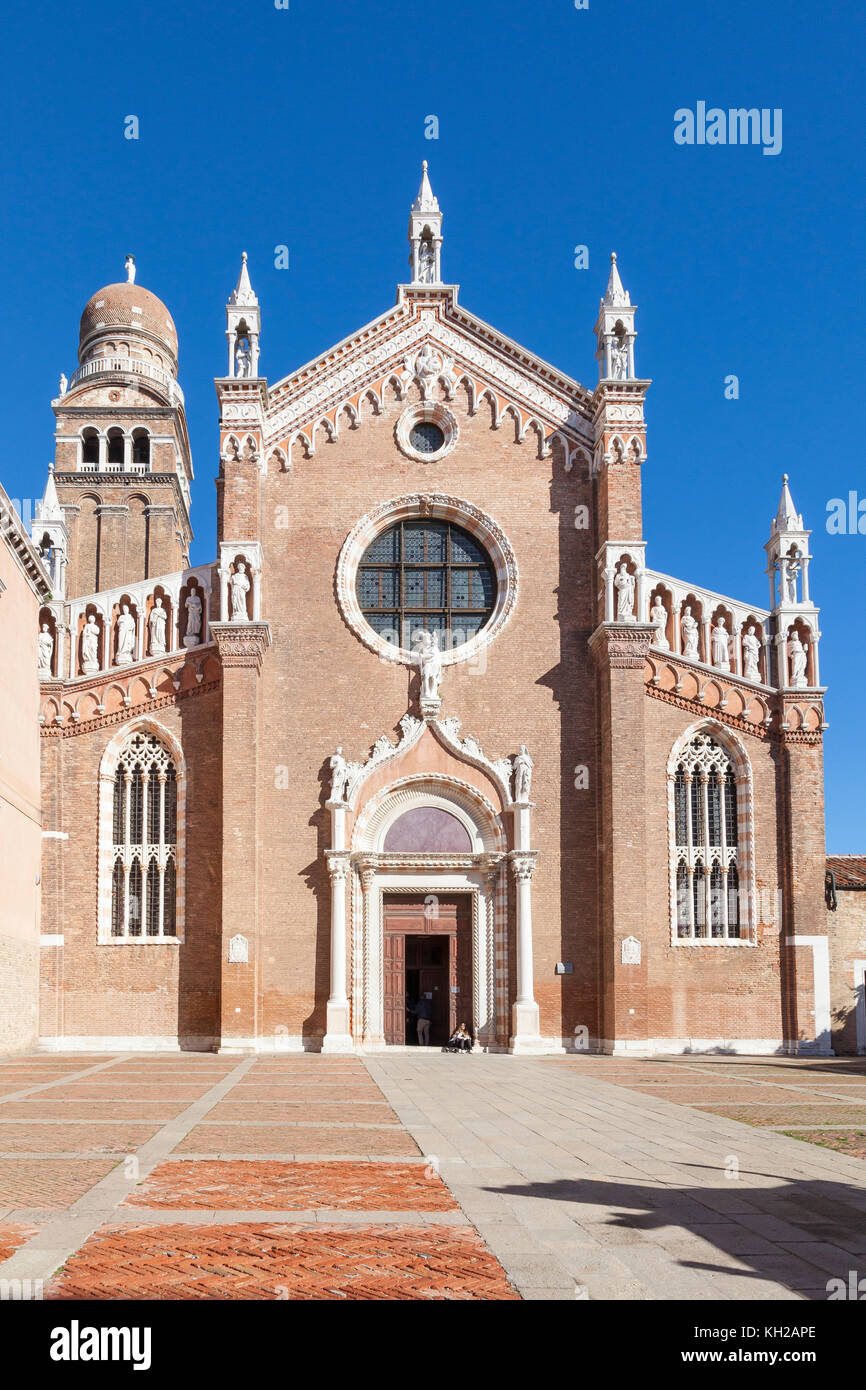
{"x": 720, "y": 638}
{"x": 124, "y": 635}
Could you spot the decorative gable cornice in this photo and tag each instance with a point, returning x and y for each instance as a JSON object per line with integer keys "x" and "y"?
{"x": 316, "y": 396}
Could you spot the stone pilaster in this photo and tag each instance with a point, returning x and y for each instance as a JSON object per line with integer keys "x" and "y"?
{"x": 619, "y": 651}
{"x": 241, "y": 648}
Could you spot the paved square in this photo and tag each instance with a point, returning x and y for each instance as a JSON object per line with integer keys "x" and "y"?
{"x": 422, "y": 1176}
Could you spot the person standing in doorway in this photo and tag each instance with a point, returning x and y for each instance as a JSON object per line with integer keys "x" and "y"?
{"x": 423, "y": 1015}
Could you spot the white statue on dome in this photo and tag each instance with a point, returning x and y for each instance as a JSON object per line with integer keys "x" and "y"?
{"x": 129, "y": 267}
{"x": 624, "y": 585}
{"x": 659, "y": 614}
{"x": 125, "y": 636}
{"x": 90, "y": 646}
{"x": 690, "y": 635}
{"x": 45, "y": 646}
{"x": 751, "y": 654}
{"x": 721, "y": 651}
{"x": 240, "y": 586}
{"x": 156, "y": 623}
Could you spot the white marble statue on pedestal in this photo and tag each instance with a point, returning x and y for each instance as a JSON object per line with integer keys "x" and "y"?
{"x": 125, "y": 637}
{"x": 193, "y": 619}
{"x": 751, "y": 654}
{"x": 690, "y": 634}
{"x": 339, "y": 776}
{"x": 129, "y": 267}
{"x": 721, "y": 648}
{"x": 156, "y": 623}
{"x": 659, "y": 614}
{"x": 624, "y": 585}
{"x": 523, "y": 766}
{"x": 790, "y": 570}
{"x": 239, "y": 585}
{"x": 64, "y": 384}
{"x": 243, "y": 358}
{"x": 45, "y": 647}
{"x": 426, "y": 264}
{"x": 430, "y": 663}
{"x": 619, "y": 359}
{"x": 799, "y": 656}
{"x": 90, "y": 646}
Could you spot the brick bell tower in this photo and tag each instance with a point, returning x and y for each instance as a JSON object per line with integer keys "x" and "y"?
{"x": 619, "y": 646}
{"x": 123, "y": 465}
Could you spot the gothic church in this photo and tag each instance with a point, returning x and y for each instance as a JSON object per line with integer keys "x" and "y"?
{"x": 427, "y": 725}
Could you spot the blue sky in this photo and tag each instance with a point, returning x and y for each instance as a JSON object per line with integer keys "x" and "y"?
{"x": 305, "y": 127}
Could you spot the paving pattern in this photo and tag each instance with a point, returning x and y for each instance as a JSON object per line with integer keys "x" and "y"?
{"x": 199, "y": 1177}
{"x": 420, "y": 1176}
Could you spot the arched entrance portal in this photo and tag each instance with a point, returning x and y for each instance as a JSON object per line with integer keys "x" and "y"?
{"x": 420, "y": 894}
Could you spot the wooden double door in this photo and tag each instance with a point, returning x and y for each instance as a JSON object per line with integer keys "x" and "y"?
{"x": 427, "y": 952}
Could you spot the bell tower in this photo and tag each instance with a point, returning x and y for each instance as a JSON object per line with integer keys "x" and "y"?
{"x": 123, "y": 466}
{"x": 425, "y": 235}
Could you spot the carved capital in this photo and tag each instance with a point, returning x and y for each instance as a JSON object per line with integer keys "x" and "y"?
{"x": 622, "y": 646}
{"x": 523, "y": 864}
{"x": 241, "y": 644}
{"x": 338, "y": 865}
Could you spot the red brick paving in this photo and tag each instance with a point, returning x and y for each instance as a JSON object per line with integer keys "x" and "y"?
{"x": 813, "y": 1115}
{"x": 306, "y": 1094}
{"x": 270, "y": 1262}
{"x": 84, "y": 1090}
{"x": 273, "y": 1186}
{"x": 52, "y": 1183}
{"x": 91, "y": 1139}
{"x": 13, "y": 1237}
{"x": 42, "y": 1108}
{"x": 847, "y": 1141}
{"x": 297, "y": 1139}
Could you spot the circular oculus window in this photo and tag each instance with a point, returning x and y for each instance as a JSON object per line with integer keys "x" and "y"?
{"x": 426, "y": 432}
{"x": 428, "y": 563}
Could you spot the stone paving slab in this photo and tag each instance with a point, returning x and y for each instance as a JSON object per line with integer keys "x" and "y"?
{"x": 634, "y": 1197}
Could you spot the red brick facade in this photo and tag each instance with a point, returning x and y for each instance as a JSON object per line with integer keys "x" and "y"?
{"x": 276, "y": 857}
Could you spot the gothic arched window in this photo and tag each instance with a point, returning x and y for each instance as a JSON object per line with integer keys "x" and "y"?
{"x": 710, "y": 835}
{"x": 426, "y": 575}
{"x": 144, "y": 841}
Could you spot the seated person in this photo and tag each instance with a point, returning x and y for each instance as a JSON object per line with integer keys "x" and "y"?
{"x": 461, "y": 1039}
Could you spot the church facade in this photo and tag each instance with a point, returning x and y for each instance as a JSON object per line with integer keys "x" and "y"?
{"x": 427, "y": 725}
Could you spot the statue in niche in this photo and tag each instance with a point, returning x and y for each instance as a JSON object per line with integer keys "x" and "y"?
{"x": 45, "y": 648}
{"x": 243, "y": 358}
{"x": 426, "y": 263}
{"x": 339, "y": 776}
{"x": 690, "y": 630}
{"x": 430, "y": 663}
{"x": 125, "y": 636}
{"x": 90, "y": 646}
{"x": 790, "y": 570}
{"x": 624, "y": 585}
{"x": 799, "y": 656}
{"x": 156, "y": 623}
{"x": 619, "y": 359}
{"x": 721, "y": 650}
{"x": 751, "y": 654}
{"x": 523, "y": 766}
{"x": 659, "y": 614}
{"x": 239, "y": 585}
{"x": 193, "y": 619}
